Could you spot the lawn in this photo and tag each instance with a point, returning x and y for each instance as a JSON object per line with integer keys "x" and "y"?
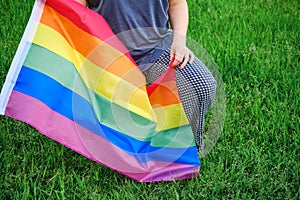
{"x": 255, "y": 46}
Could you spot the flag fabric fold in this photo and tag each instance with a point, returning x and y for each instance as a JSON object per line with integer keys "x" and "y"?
{"x": 76, "y": 83}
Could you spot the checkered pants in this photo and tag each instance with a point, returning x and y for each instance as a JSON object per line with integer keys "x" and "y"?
{"x": 196, "y": 87}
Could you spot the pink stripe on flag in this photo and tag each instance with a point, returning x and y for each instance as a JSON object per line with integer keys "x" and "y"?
{"x": 81, "y": 140}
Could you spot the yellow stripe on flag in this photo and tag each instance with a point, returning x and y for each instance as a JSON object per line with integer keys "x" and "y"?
{"x": 96, "y": 78}
{"x": 174, "y": 112}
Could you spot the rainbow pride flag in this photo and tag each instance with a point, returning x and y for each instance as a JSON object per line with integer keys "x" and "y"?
{"x": 75, "y": 82}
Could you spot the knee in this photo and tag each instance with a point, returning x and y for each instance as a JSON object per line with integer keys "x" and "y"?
{"x": 208, "y": 88}
{"x": 196, "y": 78}
{"x": 206, "y": 84}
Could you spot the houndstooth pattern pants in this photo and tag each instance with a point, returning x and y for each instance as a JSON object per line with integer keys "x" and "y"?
{"x": 196, "y": 87}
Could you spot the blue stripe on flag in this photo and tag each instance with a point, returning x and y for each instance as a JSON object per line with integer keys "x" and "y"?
{"x": 62, "y": 101}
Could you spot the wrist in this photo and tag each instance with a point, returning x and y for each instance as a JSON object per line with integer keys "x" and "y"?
{"x": 179, "y": 37}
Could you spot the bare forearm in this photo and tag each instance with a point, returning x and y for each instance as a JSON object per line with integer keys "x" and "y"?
{"x": 178, "y": 13}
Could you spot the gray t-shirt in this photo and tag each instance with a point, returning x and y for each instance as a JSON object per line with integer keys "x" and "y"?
{"x": 142, "y": 25}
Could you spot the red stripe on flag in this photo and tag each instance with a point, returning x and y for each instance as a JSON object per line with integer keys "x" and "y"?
{"x": 96, "y": 25}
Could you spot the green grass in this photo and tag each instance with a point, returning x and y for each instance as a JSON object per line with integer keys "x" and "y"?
{"x": 255, "y": 45}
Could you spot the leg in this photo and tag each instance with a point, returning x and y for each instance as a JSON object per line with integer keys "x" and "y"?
{"x": 196, "y": 87}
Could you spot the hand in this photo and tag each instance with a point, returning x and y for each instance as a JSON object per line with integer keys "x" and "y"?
{"x": 83, "y": 2}
{"x": 180, "y": 53}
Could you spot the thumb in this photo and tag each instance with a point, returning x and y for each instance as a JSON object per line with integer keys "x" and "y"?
{"x": 172, "y": 54}
{"x": 172, "y": 62}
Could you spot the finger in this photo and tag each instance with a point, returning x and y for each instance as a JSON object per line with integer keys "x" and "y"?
{"x": 177, "y": 60}
{"x": 192, "y": 57}
{"x": 173, "y": 61}
{"x": 185, "y": 61}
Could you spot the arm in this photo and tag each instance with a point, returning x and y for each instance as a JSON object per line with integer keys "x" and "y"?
{"x": 83, "y": 2}
{"x": 178, "y": 12}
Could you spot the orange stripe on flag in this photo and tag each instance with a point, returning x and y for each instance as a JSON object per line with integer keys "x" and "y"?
{"x": 165, "y": 94}
{"x": 96, "y": 50}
